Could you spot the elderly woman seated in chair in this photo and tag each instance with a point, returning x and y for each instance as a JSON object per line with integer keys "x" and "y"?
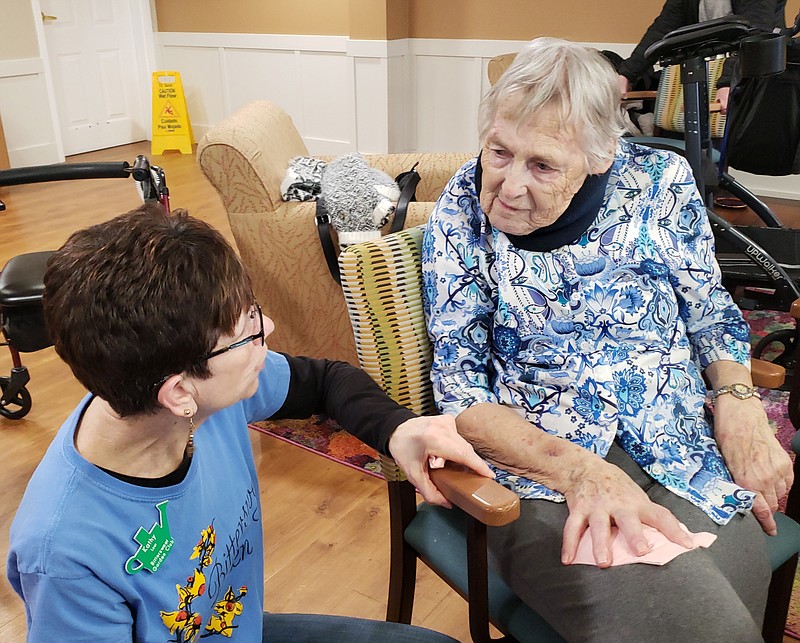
{"x": 575, "y": 308}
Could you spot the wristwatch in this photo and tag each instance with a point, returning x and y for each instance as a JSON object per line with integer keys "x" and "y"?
{"x": 739, "y": 391}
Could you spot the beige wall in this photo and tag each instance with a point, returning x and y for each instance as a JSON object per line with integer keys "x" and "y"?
{"x": 607, "y": 21}
{"x": 311, "y": 17}
{"x": 604, "y": 21}
{"x": 393, "y": 19}
{"x": 17, "y": 30}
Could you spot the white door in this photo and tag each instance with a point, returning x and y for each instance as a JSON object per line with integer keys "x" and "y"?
{"x": 95, "y": 72}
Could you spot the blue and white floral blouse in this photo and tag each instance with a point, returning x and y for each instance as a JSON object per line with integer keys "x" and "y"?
{"x": 601, "y": 339}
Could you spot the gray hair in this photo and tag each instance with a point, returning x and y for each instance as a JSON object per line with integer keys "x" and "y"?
{"x": 579, "y": 82}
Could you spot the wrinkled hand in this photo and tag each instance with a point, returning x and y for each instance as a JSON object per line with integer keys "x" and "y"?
{"x": 754, "y": 456}
{"x": 428, "y": 441}
{"x": 599, "y": 495}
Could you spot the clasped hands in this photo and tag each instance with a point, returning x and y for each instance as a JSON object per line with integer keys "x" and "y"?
{"x": 422, "y": 440}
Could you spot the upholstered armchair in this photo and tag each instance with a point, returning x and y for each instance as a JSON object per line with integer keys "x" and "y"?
{"x": 245, "y": 158}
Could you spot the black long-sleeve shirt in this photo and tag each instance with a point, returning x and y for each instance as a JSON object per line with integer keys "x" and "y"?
{"x": 345, "y": 393}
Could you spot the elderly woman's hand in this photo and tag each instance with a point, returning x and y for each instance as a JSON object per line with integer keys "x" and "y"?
{"x": 599, "y": 495}
{"x": 754, "y": 456}
{"x": 428, "y": 441}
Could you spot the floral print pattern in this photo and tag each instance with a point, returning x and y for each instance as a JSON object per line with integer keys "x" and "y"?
{"x": 598, "y": 340}
{"x": 186, "y": 622}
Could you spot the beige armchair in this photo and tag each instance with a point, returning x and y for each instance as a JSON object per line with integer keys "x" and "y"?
{"x": 245, "y": 158}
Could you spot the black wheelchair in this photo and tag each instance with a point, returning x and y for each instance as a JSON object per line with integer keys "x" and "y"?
{"x": 21, "y": 281}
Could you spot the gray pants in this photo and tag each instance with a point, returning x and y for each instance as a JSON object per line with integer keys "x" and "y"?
{"x": 714, "y": 594}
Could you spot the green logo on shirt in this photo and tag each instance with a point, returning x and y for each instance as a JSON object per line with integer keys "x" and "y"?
{"x": 154, "y": 545}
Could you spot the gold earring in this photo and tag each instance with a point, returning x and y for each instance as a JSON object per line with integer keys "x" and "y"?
{"x": 189, "y": 451}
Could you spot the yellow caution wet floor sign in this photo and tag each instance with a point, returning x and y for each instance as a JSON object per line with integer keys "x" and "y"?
{"x": 171, "y": 127}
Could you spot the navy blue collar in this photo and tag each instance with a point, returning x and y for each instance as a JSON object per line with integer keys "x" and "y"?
{"x": 579, "y": 215}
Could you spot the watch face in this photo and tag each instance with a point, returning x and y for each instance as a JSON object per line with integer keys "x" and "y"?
{"x": 742, "y": 391}
{"x": 738, "y": 390}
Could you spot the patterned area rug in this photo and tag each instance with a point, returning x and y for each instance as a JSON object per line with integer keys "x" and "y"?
{"x": 763, "y": 322}
{"x": 328, "y": 439}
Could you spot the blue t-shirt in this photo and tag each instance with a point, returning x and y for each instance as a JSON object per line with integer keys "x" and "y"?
{"x": 169, "y": 563}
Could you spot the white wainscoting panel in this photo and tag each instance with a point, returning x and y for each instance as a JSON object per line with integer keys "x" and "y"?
{"x": 448, "y": 91}
{"x": 352, "y": 95}
{"x": 311, "y": 77}
{"x": 27, "y": 119}
{"x": 373, "y": 130}
{"x": 782, "y": 187}
{"x": 203, "y": 84}
{"x": 258, "y": 74}
{"x": 329, "y": 103}
{"x": 402, "y": 97}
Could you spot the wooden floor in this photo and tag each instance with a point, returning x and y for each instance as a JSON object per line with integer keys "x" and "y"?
{"x": 325, "y": 525}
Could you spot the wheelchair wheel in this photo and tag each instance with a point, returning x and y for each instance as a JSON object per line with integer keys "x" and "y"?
{"x": 19, "y": 406}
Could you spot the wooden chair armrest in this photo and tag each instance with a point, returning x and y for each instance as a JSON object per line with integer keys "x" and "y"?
{"x": 766, "y": 374}
{"x": 795, "y": 309}
{"x": 650, "y": 93}
{"x": 480, "y": 497}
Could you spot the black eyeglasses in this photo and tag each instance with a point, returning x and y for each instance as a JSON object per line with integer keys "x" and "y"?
{"x": 254, "y": 310}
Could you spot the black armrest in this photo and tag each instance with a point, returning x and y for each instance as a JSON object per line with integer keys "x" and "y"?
{"x": 65, "y": 172}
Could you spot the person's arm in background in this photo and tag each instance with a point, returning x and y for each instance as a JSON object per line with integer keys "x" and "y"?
{"x": 346, "y": 393}
{"x": 459, "y": 306}
{"x": 720, "y": 343}
{"x": 761, "y": 14}
{"x": 674, "y": 14}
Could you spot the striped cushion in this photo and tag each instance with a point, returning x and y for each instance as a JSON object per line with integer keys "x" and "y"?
{"x": 669, "y": 99}
{"x": 382, "y": 281}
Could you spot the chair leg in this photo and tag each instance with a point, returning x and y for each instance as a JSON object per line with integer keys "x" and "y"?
{"x": 403, "y": 563}
{"x": 780, "y": 593}
{"x": 478, "y": 583}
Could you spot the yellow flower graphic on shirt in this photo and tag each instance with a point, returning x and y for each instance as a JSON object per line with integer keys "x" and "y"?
{"x": 185, "y": 623}
{"x": 226, "y": 610}
{"x": 205, "y": 547}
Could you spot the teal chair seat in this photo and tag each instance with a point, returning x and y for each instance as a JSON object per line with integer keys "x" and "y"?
{"x": 438, "y": 536}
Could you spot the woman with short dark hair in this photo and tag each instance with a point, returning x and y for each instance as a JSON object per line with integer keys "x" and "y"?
{"x": 143, "y": 520}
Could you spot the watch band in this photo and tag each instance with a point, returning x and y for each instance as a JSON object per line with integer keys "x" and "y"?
{"x": 738, "y": 390}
